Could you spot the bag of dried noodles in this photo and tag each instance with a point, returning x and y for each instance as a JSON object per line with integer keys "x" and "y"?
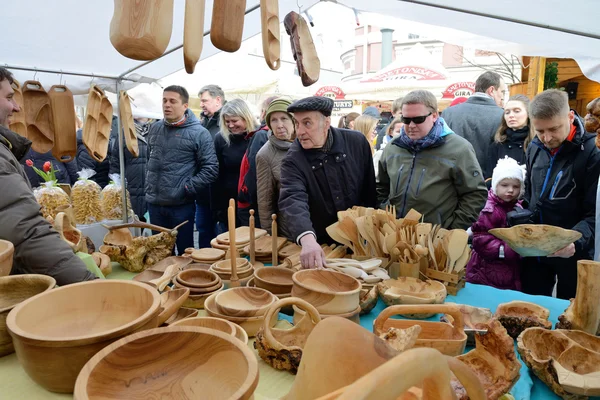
{"x": 110, "y": 198}
{"x": 85, "y": 196}
{"x": 49, "y": 195}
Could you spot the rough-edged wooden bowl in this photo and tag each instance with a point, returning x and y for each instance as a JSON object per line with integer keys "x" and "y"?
{"x": 244, "y": 301}
{"x": 368, "y": 299}
{"x": 536, "y": 240}
{"x": 276, "y": 280}
{"x": 7, "y": 249}
{"x": 330, "y": 292}
{"x": 178, "y": 362}
{"x": 56, "y": 332}
{"x": 407, "y": 290}
{"x": 516, "y": 316}
{"x": 13, "y": 290}
{"x": 198, "y": 278}
{"x": 567, "y": 361}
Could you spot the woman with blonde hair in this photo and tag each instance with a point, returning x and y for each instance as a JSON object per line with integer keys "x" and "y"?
{"x": 513, "y": 135}
{"x": 236, "y": 121}
{"x": 367, "y": 125}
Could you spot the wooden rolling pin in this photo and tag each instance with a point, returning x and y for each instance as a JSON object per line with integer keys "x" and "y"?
{"x": 274, "y": 258}
{"x": 235, "y": 282}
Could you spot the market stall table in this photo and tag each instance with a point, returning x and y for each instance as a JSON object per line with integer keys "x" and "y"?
{"x": 273, "y": 384}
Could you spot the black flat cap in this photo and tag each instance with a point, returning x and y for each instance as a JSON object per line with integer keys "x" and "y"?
{"x": 314, "y": 103}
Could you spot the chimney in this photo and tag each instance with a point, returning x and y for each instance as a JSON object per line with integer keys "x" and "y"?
{"x": 387, "y": 46}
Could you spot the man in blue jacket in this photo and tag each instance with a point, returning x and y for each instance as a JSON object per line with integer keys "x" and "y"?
{"x": 182, "y": 164}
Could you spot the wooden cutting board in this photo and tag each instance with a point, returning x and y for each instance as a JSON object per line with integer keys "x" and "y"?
{"x": 141, "y": 30}
{"x": 269, "y": 19}
{"x": 227, "y": 24}
{"x": 63, "y": 115}
{"x": 17, "y": 123}
{"x": 289, "y": 250}
{"x": 127, "y": 123}
{"x": 38, "y": 116}
{"x": 193, "y": 33}
{"x": 263, "y": 246}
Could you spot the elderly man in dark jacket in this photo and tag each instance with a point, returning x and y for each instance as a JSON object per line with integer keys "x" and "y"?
{"x": 478, "y": 118}
{"x": 38, "y": 247}
{"x": 182, "y": 164}
{"x": 325, "y": 171}
{"x": 563, "y": 165}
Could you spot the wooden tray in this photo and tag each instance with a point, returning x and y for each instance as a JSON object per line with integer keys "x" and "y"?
{"x": 38, "y": 116}
{"x": 227, "y": 24}
{"x": 193, "y": 33}
{"x": 92, "y": 115}
{"x": 128, "y": 124}
{"x": 17, "y": 124}
{"x": 63, "y": 114}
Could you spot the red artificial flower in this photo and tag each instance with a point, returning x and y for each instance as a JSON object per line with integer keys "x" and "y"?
{"x": 47, "y": 166}
{"x": 29, "y": 163}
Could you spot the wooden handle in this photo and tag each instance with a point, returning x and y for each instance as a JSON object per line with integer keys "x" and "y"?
{"x": 33, "y": 86}
{"x": 166, "y": 277}
{"x": 274, "y": 251}
{"x": 193, "y": 33}
{"x": 232, "y": 248}
{"x": 420, "y": 309}
{"x": 311, "y": 317}
{"x": 227, "y": 24}
{"x": 269, "y": 18}
{"x": 252, "y": 238}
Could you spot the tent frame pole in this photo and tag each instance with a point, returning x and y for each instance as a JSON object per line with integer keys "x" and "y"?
{"x": 62, "y": 72}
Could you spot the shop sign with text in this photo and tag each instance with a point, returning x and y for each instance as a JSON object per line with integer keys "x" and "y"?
{"x": 459, "y": 89}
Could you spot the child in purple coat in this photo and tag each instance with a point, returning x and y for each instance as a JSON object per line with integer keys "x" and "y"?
{"x": 493, "y": 262}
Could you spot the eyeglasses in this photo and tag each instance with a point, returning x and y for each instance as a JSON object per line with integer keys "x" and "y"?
{"x": 416, "y": 120}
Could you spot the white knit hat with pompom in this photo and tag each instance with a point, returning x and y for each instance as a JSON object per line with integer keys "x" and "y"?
{"x": 508, "y": 168}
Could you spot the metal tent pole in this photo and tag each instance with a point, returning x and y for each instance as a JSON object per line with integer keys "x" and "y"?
{"x": 60, "y": 71}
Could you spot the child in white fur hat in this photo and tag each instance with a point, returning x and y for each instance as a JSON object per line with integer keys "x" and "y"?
{"x": 493, "y": 262}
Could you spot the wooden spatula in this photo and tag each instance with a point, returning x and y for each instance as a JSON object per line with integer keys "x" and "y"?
{"x": 462, "y": 261}
{"x": 456, "y": 244}
{"x": 232, "y": 249}
{"x": 193, "y": 33}
{"x": 227, "y": 24}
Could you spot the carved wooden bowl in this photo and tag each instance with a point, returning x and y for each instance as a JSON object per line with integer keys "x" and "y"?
{"x": 68, "y": 325}
{"x": 198, "y": 278}
{"x": 13, "y": 290}
{"x": 516, "y": 316}
{"x": 330, "y": 292}
{"x": 7, "y": 250}
{"x": 476, "y": 320}
{"x": 224, "y": 266}
{"x": 408, "y": 290}
{"x": 197, "y": 291}
{"x": 178, "y": 362}
{"x": 275, "y": 280}
{"x": 197, "y": 300}
{"x": 567, "y": 361}
{"x": 244, "y": 301}
{"x": 536, "y": 240}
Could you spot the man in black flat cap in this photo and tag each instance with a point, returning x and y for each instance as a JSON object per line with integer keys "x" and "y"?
{"x": 326, "y": 170}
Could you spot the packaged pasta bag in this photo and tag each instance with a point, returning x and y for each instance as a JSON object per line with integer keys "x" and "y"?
{"x": 49, "y": 196}
{"x": 85, "y": 196}
{"x": 110, "y": 198}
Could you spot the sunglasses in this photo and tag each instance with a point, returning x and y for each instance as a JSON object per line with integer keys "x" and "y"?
{"x": 416, "y": 120}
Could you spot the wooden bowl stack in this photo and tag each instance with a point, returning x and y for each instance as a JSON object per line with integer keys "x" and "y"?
{"x": 245, "y": 271}
{"x": 244, "y": 306}
{"x": 56, "y": 332}
{"x": 7, "y": 250}
{"x": 207, "y": 255}
{"x": 180, "y": 362}
{"x": 331, "y": 293}
{"x": 201, "y": 284}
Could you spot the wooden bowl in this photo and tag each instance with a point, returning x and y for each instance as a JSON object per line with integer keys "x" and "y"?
{"x": 13, "y": 290}
{"x": 353, "y": 316}
{"x": 208, "y": 254}
{"x": 275, "y": 280}
{"x": 7, "y": 249}
{"x": 194, "y": 265}
{"x": 196, "y": 291}
{"x": 179, "y": 362}
{"x": 516, "y": 316}
{"x": 197, "y": 300}
{"x": 250, "y": 324}
{"x": 224, "y": 266}
{"x": 536, "y": 240}
{"x": 408, "y": 290}
{"x": 215, "y": 323}
{"x": 181, "y": 315}
{"x": 198, "y": 278}
{"x": 244, "y": 301}
{"x": 68, "y": 325}
{"x": 330, "y": 292}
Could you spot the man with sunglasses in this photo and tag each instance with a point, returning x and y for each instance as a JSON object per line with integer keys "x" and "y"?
{"x": 431, "y": 169}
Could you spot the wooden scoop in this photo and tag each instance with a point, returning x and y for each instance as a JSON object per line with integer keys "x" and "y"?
{"x": 166, "y": 277}
{"x": 269, "y": 19}
{"x": 232, "y": 248}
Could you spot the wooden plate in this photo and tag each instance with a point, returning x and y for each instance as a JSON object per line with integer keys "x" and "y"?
{"x": 208, "y": 254}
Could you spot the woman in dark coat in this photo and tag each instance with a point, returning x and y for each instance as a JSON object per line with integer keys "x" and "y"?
{"x": 230, "y": 145}
{"x": 513, "y": 135}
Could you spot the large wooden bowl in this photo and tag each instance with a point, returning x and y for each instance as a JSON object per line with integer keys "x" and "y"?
{"x": 13, "y": 290}
{"x": 178, "y": 362}
{"x": 536, "y": 240}
{"x": 215, "y": 323}
{"x": 329, "y": 291}
{"x": 198, "y": 278}
{"x": 244, "y": 301}
{"x": 7, "y": 250}
{"x": 274, "y": 279}
{"x": 56, "y": 332}
{"x": 408, "y": 290}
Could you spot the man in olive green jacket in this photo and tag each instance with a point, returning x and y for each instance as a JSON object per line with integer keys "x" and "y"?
{"x": 431, "y": 169}
{"x": 38, "y": 247}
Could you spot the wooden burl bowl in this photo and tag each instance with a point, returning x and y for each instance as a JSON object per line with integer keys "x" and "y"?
{"x": 330, "y": 292}
{"x": 7, "y": 249}
{"x": 177, "y": 362}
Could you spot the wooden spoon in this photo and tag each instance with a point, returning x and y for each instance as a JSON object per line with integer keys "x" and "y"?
{"x": 456, "y": 243}
{"x": 336, "y": 234}
{"x": 348, "y": 226}
{"x": 352, "y": 271}
{"x": 462, "y": 260}
{"x": 166, "y": 277}
{"x": 423, "y": 229}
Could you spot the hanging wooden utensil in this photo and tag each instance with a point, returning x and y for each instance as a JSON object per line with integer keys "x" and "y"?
{"x": 38, "y": 116}
{"x": 235, "y": 282}
{"x": 227, "y": 24}
{"x": 269, "y": 19}
{"x": 63, "y": 116}
{"x": 141, "y": 30}
{"x": 275, "y": 242}
{"x": 193, "y": 33}
{"x": 17, "y": 121}
{"x": 127, "y": 123}
{"x": 303, "y": 48}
